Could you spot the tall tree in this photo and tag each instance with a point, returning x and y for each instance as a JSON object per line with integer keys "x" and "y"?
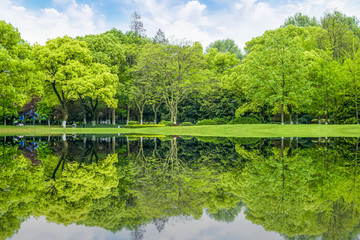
{"x": 137, "y": 25}
{"x": 17, "y": 71}
{"x": 70, "y": 73}
{"x": 301, "y": 20}
{"x": 274, "y": 69}
{"x": 177, "y": 69}
{"x": 160, "y": 37}
{"x": 226, "y": 45}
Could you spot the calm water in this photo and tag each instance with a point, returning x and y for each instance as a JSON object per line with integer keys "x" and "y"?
{"x": 117, "y": 187}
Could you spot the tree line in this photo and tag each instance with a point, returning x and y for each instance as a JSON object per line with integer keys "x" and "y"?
{"x": 305, "y": 71}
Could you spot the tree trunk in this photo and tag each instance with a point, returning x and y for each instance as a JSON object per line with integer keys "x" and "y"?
{"x": 282, "y": 113}
{"x": 93, "y": 121}
{"x": 85, "y": 118}
{"x": 155, "y": 113}
{"x": 128, "y": 115}
{"x": 356, "y": 105}
{"x": 5, "y": 121}
{"x": 113, "y": 116}
{"x": 48, "y": 122}
{"x": 297, "y": 118}
{"x": 65, "y": 115}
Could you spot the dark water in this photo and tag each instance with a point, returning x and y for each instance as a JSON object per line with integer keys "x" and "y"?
{"x": 113, "y": 187}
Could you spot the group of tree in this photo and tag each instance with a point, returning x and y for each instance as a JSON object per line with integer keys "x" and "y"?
{"x": 307, "y": 68}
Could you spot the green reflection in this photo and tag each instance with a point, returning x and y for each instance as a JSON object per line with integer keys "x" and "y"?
{"x": 300, "y": 188}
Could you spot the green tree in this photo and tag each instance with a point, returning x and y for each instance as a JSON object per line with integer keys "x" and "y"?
{"x": 17, "y": 71}
{"x": 226, "y": 45}
{"x": 274, "y": 69}
{"x": 301, "y": 20}
{"x": 352, "y": 72}
{"x": 70, "y": 73}
{"x": 177, "y": 68}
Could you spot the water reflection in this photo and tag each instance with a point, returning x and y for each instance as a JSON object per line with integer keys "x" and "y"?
{"x": 301, "y": 188}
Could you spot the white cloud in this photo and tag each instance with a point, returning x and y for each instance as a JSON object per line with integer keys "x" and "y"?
{"x": 38, "y": 26}
{"x": 245, "y": 4}
{"x": 195, "y": 20}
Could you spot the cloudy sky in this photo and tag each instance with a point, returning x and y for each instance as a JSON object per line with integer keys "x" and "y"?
{"x": 197, "y": 20}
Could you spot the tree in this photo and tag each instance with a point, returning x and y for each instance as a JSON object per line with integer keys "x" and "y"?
{"x": 226, "y": 45}
{"x": 300, "y": 20}
{"x": 17, "y": 71}
{"x": 137, "y": 25}
{"x": 70, "y": 73}
{"x": 160, "y": 37}
{"x": 96, "y": 85}
{"x": 62, "y": 60}
{"x": 340, "y": 36}
{"x": 179, "y": 71}
{"x": 352, "y": 71}
{"x": 274, "y": 69}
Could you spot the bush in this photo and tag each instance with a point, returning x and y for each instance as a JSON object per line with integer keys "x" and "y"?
{"x": 166, "y": 123}
{"x": 186, "y": 124}
{"x": 220, "y": 121}
{"x": 133, "y": 123}
{"x": 305, "y": 119}
{"x": 245, "y": 120}
{"x": 144, "y": 126}
{"x": 316, "y": 121}
{"x": 206, "y": 122}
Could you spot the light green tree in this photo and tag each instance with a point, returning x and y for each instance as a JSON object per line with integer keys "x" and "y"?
{"x": 275, "y": 70}
{"x": 17, "y": 71}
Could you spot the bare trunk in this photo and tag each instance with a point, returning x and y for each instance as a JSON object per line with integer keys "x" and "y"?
{"x": 48, "y": 122}
{"x": 93, "y": 123}
{"x": 113, "y": 144}
{"x": 65, "y": 115}
{"x": 85, "y": 118}
{"x": 113, "y": 116}
{"x": 128, "y": 115}
{"x": 282, "y": 113}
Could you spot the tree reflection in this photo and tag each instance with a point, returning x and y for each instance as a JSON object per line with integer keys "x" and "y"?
{"x": 302, "y": 189}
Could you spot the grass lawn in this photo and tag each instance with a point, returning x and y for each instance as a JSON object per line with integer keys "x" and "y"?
{"x": 241, "y": 130}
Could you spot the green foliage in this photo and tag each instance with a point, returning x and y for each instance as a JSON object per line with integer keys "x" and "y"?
{"x": 206, "y": 122}
{"x": 144, "y": 125}
{"x": 220, "y": 121}
{"x": 133, "y": 123}
{"x": 301, "y": 20}
{"x": 186, "y": 124}
{"x": 316, "y": 121}
{"x": 166, "y": 123}
{"x": 305, "y": 119}
{"x": 226, "y": 46}
{"x": 245, "y": 120}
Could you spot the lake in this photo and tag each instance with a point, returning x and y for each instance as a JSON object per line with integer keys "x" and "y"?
{"x": 178, "y": 187}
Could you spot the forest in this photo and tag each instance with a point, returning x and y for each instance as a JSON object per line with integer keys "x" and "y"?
{"x": 305, "y": 71}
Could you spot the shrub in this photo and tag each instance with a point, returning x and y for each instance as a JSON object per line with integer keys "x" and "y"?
{"x": 305, "y": 119}
{"x": 133, "y": 123}
{"x": 316, "y": 121}
{"x": 144, "y": 126}
{"x": 220, "y": 121}
{"x": 166, "y": 123}
{"x": 206, "y": 122}
{"x": 175, "y": 125}
{"x": 186, "y": 124}
{"x": 245, "y": 120}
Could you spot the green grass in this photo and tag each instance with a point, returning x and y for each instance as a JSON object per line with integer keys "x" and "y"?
{"x": 245, "y": 130}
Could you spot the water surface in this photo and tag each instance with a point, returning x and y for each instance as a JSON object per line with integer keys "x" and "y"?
{"x": 117, "y": 187}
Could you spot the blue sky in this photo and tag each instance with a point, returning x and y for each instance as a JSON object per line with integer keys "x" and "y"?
{"x": 195, "y": 20}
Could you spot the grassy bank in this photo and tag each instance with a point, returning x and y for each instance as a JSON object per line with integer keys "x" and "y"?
{"x": 245, "y": 130}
